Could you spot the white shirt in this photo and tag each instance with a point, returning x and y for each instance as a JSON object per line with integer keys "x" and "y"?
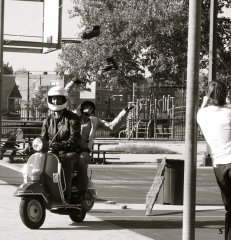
{"x": 215, "y": 123}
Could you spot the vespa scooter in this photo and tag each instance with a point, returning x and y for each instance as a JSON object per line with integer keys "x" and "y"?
{"x": 44, "y": 186}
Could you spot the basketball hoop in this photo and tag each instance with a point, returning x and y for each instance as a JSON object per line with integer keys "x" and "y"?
{"x": 49, "y": 26}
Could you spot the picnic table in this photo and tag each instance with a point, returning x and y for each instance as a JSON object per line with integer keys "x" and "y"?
{"x": 99, "y": 155}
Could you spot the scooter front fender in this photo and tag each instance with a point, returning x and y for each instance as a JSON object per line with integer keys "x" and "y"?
{"x": 30, "y": 189}
{"x": 91, "y": 187}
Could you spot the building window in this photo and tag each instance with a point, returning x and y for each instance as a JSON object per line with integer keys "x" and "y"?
{"x": 11, "y": 104}
{"x": 100, "y": 114}
{"x": 99, "y": 84}
{"x": 54, "y": 83}
{"x": 99, "y": 99}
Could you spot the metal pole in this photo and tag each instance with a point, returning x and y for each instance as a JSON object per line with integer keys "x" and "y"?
{"x": 28, "y": 94}
{"x": 28, "y": 87}
{"x": 60, "y": 24}
{"x": 213, "y": 40}
{"x": 191, "y": 127}
{"x": 1, "y": 60}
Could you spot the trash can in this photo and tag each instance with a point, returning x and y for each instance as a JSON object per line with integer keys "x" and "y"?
{"x": 172, "y": 189}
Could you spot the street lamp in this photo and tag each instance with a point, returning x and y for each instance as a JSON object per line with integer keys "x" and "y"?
{"x": 28, "y": 86}
{"x": 28, "y": 94}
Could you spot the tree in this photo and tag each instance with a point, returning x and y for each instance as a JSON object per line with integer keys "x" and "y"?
{"x": 142, "y": 35}
{"x": 22, "y": 71}
{"x": 7, "y": 69}
{"x": 38, "y": 104}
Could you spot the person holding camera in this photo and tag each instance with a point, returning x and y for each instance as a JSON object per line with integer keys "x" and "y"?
{"x": 214, "y": 119}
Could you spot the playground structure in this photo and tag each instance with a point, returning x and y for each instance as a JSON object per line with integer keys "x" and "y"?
{"x": 156, "y": 118}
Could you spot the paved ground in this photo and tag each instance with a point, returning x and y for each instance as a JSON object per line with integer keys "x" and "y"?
{"x": 112, "y": 221}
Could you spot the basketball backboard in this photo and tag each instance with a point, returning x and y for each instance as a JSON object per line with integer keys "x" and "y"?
{"x": 32, "y": 26}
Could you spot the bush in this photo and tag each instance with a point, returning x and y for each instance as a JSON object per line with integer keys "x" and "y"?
{"x": 142, "y": 149}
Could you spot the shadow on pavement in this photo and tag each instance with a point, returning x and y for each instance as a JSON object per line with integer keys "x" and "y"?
{"x": 162, "y": 224}
{"x": 86, "y": 225}
{"x": 137, "y": 224}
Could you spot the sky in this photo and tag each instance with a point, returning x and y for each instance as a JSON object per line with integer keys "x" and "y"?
{"x": 27, "y": 20}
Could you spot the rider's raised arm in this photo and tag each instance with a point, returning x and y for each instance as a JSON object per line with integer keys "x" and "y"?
{"x": 70, "y": 86}
{"x": 74, "y": 80}
{"x": 114, "y": 125}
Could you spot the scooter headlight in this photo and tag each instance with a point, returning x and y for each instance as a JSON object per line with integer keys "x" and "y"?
{"x": 37, "y": 144}
{"x": 40, "y": 145}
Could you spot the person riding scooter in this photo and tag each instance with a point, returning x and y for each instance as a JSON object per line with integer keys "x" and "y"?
{"x": 62, "y": 128}
{"x": 44, "y": 186}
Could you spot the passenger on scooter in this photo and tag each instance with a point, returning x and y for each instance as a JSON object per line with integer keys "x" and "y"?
{"x": 62, "y": 129}
{"x": 90, "y": 123}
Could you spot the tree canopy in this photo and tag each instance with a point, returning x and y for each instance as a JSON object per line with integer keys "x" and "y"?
{"x": 142, "y": 35}
{"x": 7, "y": 69}
{"x": 38, "y": 103}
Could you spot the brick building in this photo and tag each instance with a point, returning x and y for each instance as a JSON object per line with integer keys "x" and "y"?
{"x": 109, "y": 100}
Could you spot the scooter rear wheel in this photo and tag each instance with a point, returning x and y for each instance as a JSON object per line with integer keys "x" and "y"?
{"x": 32, "y": 212}
{"x": 77, "y": 215}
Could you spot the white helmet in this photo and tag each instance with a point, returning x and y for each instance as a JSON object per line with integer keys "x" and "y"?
{"x": 57, "y": 91}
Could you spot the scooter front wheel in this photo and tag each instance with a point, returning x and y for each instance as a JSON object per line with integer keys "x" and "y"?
{"x": 32, "y": 212}
{"x": 88, "y": 201}
{"x": 77, "y": 215}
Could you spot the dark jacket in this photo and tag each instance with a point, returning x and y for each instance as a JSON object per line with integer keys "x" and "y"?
{"x": 68, "y": 129}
